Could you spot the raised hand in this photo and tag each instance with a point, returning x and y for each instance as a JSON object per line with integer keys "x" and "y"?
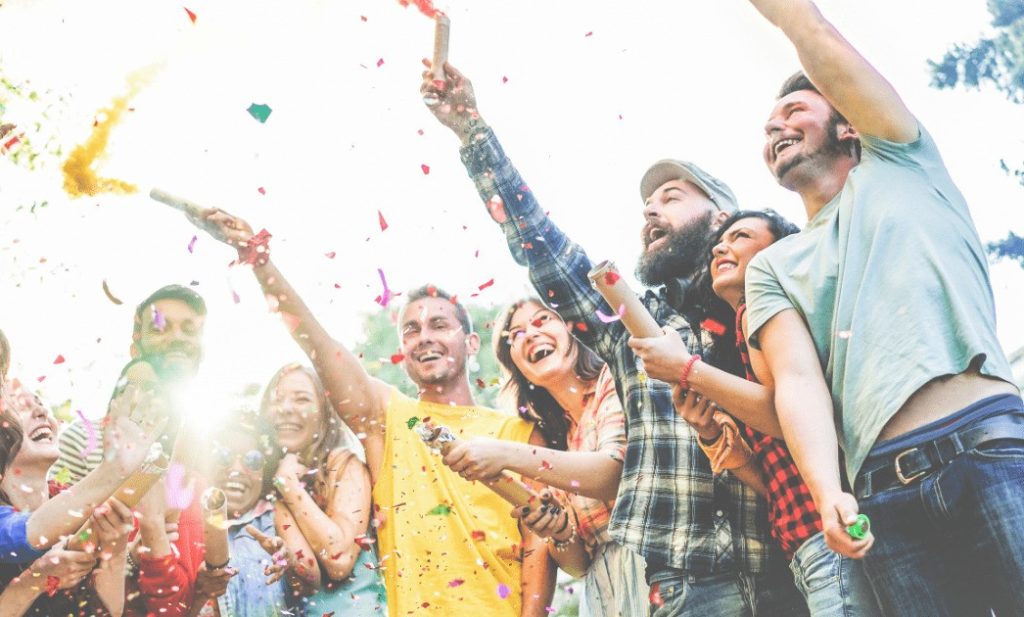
{"x": 69, "y": 567}
{"x": 134, "y": 422}
{"x": 112, "y": 522}
{"x": 224, "y": 227}
{"x": 281, "y": 557}
{"x": 664, "y": 356}
{"x": 456, "y": 102}
{"x": 479, "y": 458}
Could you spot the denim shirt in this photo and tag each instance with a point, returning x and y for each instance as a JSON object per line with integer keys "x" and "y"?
{"x": 248, "y": 594}
{"x": 671, "y": 508}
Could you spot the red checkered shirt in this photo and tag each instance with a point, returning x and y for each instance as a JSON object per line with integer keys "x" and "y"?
{"x": 791, "y": 512}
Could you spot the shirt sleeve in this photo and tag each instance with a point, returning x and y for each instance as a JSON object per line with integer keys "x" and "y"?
{"x": 558, "y": 267}
{"x": 14, "y": 545}
{"x": 610, "y": 419}
{"x": 73, "y": 440}
{"x": 165, "y": 585}
{"x": 765, "y": 296}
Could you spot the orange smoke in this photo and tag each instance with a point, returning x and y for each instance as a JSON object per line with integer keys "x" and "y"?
{"x": 79, "y": 174}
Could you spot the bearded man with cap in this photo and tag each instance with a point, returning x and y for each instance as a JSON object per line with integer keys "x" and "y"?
{"x": 705, "y": 537}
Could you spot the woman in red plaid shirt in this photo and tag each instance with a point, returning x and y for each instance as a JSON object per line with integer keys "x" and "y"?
{"x": 747, "y": 440}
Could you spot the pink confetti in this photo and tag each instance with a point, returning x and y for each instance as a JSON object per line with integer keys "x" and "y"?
{"x": 59, "y": 359}
{"x": 455, "y": 582}
{"x": 503, "y": 591}
{"x": 425, "y": 6}
{"x": 504, "y": 79}
{"x": 262, "y": 191}
{"x": 234, "y": 296}
{"x": 191, "y": 15}
{"x": 426, "y": 169}
{"x": 178, "y": 493}
{"x": 330, "y": 255}
{"x": 92, "y": 440}
{"x": 383, "y": 223}
{"x": 385, "y": 297}
{"x": 159, "y": 322}
{"x": 611, "y": 318}
{"x": 380, "y": 62}
{"x": 591, "y": 33}
{"x": 192, "y": 243}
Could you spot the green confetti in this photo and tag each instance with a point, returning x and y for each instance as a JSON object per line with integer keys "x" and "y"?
{"x": 261, "y": 112}
{"x": 440, "y": 510}
{"x": 411, "y": 422}
{"x": 63, "y": 476}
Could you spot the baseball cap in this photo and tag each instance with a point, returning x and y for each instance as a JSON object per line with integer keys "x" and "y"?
{"x": 672, "y": 169}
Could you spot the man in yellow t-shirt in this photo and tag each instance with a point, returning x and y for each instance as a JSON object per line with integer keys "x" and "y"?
{"x": 447, "y": 546}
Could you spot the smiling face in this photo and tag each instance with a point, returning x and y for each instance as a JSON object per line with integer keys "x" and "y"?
{"x": 730, "y": 257}
{"x": 540, "y": 345}
{"x": 171, "y": 331}
{"x": 239, "y": 470}
{"x": 294, "y": 411}
{"x": 679, "y": 217}
{"x": 434, "y": 343}
{"x": 803, "y": 139}
{"x": 39, "y": 447}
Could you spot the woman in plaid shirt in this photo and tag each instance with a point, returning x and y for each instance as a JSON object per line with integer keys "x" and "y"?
{"x": 747, "y": 440}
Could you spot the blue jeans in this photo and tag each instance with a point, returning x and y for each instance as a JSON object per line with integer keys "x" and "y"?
{"x": 952, "y": 543}
{"x": 730, "y": 594}
{"x": 833, "y": 585}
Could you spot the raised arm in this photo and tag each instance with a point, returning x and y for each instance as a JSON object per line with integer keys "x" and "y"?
{"x": 558, "y": 267}
{"x": 358, "y": 398}
{"x": 805, "y": 411}
{"x": 332, "y": 533}
{"x": 840, "y": 73}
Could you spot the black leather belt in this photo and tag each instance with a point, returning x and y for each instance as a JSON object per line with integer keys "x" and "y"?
{"x": 915, "y": 463}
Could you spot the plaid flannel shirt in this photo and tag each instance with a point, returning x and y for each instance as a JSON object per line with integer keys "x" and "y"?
{"x": 670, "y": 508}
{"x": 792, "y": 513}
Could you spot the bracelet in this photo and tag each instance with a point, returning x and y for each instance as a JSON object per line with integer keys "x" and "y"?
{"x": 256, "y": 251}
{"x": 684, "y": 378}
{"x": 562, "y": 545}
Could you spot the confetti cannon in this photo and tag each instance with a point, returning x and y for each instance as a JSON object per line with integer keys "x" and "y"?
{"x": 442, "y": 28}
{"x": 508, "y": 487}
{"x": 215, "y": 527}
{"x": 130, "y": 493}
{"x": 192, "y": 210}
{"x": 606, "y": 280}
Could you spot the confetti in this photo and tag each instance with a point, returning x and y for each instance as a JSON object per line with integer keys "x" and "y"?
{"x": 712, "y": 326}
{"x": 364, "y": 543}
{"x": 411, "y": 422}
{"x": 52, "y": 585}
{"x": 261, "y": 112}
{"x": 397, "y": 358}
{"x": 159, "y": 321}
{"x": 591, "y": 33}
{"x": 383, "y": 223}
{"x": 440, "y": 510}
{"x": 504, "y": 79}
{"x": 380, "y": 62}
{"x": 545, "y": 466}
{"x": 177, "y": 491}
{"x": 503, "y": 591}
{"x": 610, "y": 278}
{"x": 611, "y": 318}
{"x": 92, "y": 440}
{"x": 486, "y": 285}
{"x": 261, "y": 191}
{"x": 385, "y": 297}
{"x": 455, "y": 582}
{"x": 426, "y": 169}
{"x": 363, "y": 17}
{"x": 425, "y": 6}
{"x": 59, "y": 359}
{"x": 63, "y": 476}
{"x": 192, "y": 243}
{"x": 191, "y": 15}
{"x": 478, "y": 536}
{"x": 330, "y": 255}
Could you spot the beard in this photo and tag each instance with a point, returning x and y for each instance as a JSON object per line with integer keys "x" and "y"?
{"x": 822, "y": 157}
{"x": 682, "y": 255}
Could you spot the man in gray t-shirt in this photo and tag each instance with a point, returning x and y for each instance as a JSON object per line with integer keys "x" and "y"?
{"x": 877, "y": 323}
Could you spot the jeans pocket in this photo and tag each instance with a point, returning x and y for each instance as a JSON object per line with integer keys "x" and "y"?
{"x": 817, "y": 568}
{"x": 672, "y": 597}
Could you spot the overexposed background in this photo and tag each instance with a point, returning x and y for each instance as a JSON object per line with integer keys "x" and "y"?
{"x": 584, "y": 96}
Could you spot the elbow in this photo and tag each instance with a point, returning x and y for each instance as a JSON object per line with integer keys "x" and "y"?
{"x": 339, "y": 569}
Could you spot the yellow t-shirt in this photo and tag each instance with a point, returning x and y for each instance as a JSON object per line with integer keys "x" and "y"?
{"x": 447, "y": 546}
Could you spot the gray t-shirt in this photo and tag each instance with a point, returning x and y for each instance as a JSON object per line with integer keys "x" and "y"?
{"x": 892, "y": 281}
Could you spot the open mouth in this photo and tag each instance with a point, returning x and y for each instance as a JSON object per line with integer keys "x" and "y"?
{"x": 782, "y": 144}
{"x": 539, "y": 352}
{"x": 288, "y": 427}
{"x": 42, "y": 434}
{"x": 725, "y": 266}
{"x": 430, "y": 356}
{"x": 235, "y": 488}
{"x": 653, "y": 236}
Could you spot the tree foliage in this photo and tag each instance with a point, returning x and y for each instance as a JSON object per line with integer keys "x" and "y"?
{"x": 381, "y": 344}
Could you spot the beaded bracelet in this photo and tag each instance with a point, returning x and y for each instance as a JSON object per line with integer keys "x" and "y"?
{"x": 563, "y": 545}
{"x": 684, "y": 378}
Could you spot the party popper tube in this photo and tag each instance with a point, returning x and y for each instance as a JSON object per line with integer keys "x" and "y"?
{"x": 606, "y": 280}
{"x": 508, "y": 487}
{"x": 442, "y": 28}
{"x": 215, "y": 527}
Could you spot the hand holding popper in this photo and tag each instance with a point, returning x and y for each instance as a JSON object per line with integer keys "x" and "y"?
{"x": 442, "y": 28}
{"x": 215, "y": 527}
{"x": 606, "y": 280}
{"x": 507, "y": 486}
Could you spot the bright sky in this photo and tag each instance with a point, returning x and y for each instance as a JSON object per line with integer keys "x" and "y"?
{"x": 595, "y": 92}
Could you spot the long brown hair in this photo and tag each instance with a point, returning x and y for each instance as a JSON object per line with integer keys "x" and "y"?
{"x": 11, "y": 437}
{"x": 328, "y": 435}
{"x": 535, "y": 404}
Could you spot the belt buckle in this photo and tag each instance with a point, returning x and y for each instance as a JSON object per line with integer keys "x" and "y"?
{"x": 905, "y": 480}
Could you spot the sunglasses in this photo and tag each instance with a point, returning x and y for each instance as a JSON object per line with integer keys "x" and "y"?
{"x": 253, "y": 460}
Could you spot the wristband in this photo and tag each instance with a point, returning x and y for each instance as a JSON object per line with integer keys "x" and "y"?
{"x": 684, "y": 377}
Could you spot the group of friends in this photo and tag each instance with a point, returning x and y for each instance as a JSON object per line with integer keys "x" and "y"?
{"x": 803, "y": 377}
